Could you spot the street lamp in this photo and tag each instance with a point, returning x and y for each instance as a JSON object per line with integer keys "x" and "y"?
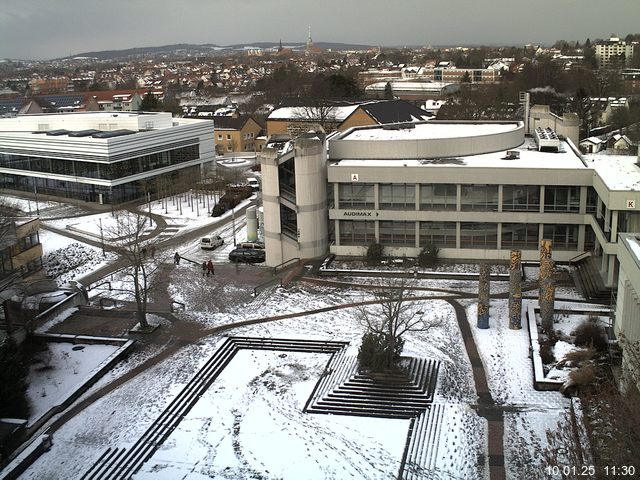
{"x": 233, "y": 224}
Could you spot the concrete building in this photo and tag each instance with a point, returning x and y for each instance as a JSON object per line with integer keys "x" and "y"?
{"x": 101, "y": 157}
{"x": 413, "y": 90}
{"x": 614, "y": 52}
{"x": 627, "y": 316}
{"x": 476, "y": 190}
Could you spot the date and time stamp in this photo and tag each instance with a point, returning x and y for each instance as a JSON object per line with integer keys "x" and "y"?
{"x": 589, "y": 471}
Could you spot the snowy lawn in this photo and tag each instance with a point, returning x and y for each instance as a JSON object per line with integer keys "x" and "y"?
{"x": 59, "y": 369}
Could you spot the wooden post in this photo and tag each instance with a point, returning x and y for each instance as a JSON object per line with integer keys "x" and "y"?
{"x": 547, "y": 285}
{"x": 515, "y": 290}
{"x": 484, "y": 288}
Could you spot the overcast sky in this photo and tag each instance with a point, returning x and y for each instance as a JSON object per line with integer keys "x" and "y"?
{"x": 44, "y": 29}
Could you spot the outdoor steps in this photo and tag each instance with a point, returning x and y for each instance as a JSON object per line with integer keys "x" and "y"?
{"x": 590, "y": 281}
{"x": 421, "y": 451}
{"x": 126, "y": 462}
{"x": 116, "y": 464}
{"x": 345, "y": 391}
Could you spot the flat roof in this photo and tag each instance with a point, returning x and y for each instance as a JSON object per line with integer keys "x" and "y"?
{"x": 530, "y": 158}
{"x": 618, "y": 172}
{"x": 430, "y": 131}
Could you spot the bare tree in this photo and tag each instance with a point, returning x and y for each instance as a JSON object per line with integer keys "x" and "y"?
{"x": 128, "y": 240}
{"x": 394, "y": 315}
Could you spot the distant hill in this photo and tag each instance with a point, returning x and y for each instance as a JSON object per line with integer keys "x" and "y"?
{"x": 208, "y": 48}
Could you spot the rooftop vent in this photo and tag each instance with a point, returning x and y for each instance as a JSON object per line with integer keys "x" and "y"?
{"x": 512, "y": 155}
{"x": 547, "y": 139}
{"x": 398, "y": 126}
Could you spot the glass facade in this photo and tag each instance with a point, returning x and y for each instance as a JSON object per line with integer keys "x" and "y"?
{"x": 399, "y": 196}
{"x": 478, "y": 235}
{"x": 520, "y": 235}
{"x": 288, "y": 222}
{"x": 287, "y": 179}
{"x": 438, "y": 196}
{"x": 479, "y": 197}
{"x": 521, "y": 198}
{"x": 105, "y": 171}
{"x": 356, "y": 195}
{"x": 562, "y": 199}
{"x": 399, "y": 234}
{"x": 441, "y": 234}
{"x": 357, "y": 233}
{"x": 564, "y": 237}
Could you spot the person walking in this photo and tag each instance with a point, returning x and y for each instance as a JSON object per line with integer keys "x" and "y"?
{"x": 210, "y": 268}
{"x": 204, "y": 268}
{"x": 153, "y": 251}
{"x": 176, "y": 259}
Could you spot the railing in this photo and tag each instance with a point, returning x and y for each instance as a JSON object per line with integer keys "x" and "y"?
{"x": 263, "y": 286}
{"x": 184, "y": 307}
{"x": 579, "y": 257}
{"x": 286, "y": 264}
{"x": 91, "y": 287}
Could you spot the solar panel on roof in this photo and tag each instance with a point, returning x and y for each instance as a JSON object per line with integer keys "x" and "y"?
{"x": 84, "y": 133}
{"x": 57, "y": 133}
{"x": 112, "y": 133}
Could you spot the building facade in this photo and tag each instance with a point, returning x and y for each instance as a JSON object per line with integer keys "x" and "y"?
{"x": 475, "y": 190}
{"x": 20, "y": 248}
{"x": 101, "y": 157}
{"x": 614, "y": 52}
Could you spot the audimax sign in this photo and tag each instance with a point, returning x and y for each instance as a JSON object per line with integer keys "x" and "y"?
{"x": 359, "y": 213}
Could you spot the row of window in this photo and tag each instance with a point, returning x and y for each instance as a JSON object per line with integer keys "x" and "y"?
{"x": 472, "y": 234}
{"x": 472, "y": 197}
{"x": 107, "y": 171}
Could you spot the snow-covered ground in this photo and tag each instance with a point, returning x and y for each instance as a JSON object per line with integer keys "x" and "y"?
{"x": 59, "y": 369}
{"x": 250, "y": 424}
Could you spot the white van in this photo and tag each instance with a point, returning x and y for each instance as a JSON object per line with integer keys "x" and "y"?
{"x": 254, "y": 184}
{"x": 211, "y": 242}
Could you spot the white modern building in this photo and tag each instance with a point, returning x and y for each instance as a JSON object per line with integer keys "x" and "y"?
{"x": 614, "y": 51}
{"x": 475, "y": 189}
{"x": 104, "y": 157}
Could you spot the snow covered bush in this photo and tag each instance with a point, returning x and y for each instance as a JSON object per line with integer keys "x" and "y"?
{"x": 75, "y": 257}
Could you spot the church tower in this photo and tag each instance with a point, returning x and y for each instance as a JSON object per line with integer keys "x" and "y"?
{"x": 309, "y": 41}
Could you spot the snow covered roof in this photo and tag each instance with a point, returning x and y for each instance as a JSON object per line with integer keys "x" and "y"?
{"x": 337, "y": 114}
{"x": 427, "y": 131}
{"x": 618, "y": 172}
{"x": 530, "y": 158}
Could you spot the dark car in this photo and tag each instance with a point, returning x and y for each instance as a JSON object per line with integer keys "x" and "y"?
{"x": 247, "y": 255}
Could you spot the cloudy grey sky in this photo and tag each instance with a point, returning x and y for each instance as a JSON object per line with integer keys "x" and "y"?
{"x": 44, "y": 29}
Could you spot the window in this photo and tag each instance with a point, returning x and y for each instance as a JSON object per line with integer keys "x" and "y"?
{"x": 564, "y": 237}
{"x": 523, "y": 198}
{"x": 562, "y": 199}
{"x": 592, "y": 200}
{"x": 397, "y": 197}
{"x": 229, "y": 148}
{"x": 520, "y": 235}
{"x": 359, "y": 233}
{"x": 441, "y": 234}
{"x": 219, "y": 136}
{"x": 478, "y": 235}
{"x": 228, "y": 137}
{"x": 438, "y": 196}
{"x": 479, "y": 197}
{"x": 289, "y": 222}
{"x": 356, "y": 195}
{"x": 399, "y": 234}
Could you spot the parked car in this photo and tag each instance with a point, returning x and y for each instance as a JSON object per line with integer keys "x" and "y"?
{"x": 251, "y": 246}
{"x": 253, "y": 183}
{"x": 211, "y": 242}
{"x": 247, "y": 255}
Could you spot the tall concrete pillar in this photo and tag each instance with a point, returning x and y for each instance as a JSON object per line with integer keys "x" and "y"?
{"x": 252, "y": 224}
{"x": 484, "y": 289}
{"x": 515, "y": 290}
{"x": 547, "y": 285}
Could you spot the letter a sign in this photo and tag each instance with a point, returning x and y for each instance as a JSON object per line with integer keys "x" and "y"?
{"x": 354, "y": 177}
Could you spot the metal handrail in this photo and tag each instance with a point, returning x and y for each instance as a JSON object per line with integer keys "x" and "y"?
{"x": 283, "y": 265}
{"x": 273, "y": 281}
{"x": 579, "y": 257}
{"x": 91, "y": 287}
{"x": 184, "y": 307}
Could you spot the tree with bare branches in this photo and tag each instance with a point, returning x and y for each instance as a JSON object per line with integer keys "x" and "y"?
{"x": 128, "y": 239}
{"x": 394, "y": 314}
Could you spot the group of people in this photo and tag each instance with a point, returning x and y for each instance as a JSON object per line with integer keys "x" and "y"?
{"x": 207, "y": 268}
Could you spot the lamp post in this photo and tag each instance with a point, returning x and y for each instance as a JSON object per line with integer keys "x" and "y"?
{"x": 35, "y": 190}
{"x": 233, "y": 224}
{"x": 102, "y": 238}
